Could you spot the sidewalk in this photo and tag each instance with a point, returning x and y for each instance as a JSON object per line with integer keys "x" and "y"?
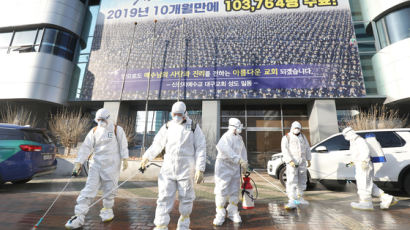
{"x": 21, "y": 206}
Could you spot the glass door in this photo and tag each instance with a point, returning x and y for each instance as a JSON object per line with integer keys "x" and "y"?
{"x": 264, "y": 127}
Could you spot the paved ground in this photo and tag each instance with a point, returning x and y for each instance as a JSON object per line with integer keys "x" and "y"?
{"x": 21, "y": 206}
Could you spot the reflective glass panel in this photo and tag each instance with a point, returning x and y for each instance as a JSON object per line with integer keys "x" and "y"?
{"x": 50, "y": 36}
{"x": 398, "y": 25}
{"x": 24, "y": 38}
{"x": 5, "y": 39}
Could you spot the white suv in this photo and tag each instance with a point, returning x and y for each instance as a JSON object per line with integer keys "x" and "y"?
{"x": 330, "y": 156}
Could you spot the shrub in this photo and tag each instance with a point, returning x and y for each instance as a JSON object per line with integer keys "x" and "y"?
{"x": 18, "y": 116}
{"x": 68, "y": 127}
{"x": 377, "y": 117}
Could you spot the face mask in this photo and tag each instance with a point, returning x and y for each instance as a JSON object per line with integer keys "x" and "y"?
{"x": 239, "y": 130}
{"x": 177, "y": 119}
{"x": 102, "y": 124}
{"x": 296, "y": 131}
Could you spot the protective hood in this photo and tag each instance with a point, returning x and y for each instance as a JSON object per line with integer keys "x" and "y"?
{"x": 235, "y": 124}
{"x": 296, "y": 127}
{"x": 349, "y": 134}
{"x": 102, "y": 114}
{"x": 178, "y": 107}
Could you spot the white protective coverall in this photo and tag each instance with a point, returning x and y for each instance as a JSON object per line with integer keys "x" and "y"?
{"x": 185, "y": 152}
{"x": 296, "y": 149}
{"x": 364, "y": 173}
{"x": 108, "y": 148}
{"x": 231, "y": 155}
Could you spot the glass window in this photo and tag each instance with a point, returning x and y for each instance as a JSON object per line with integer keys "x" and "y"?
{"x": 66, "y": 40}
{"x": 398, "y": 24}
{"x": 233, "y": 110}
{"x": 356, "y": 10}
{"x": 59, "y": 43}
{"x": 82, "y": 67}
{"x": 366, "y": 46}
{"x": 36, "y": 136}
{"x": 388, "y": 139}
{"x": 39, "y": 36}
{"x": 88, "y": 47}
{"x": 94, "y": 13}
{"x": 394, "y": 27}
{"x": 5, "y": 39}
{"x": 10, "y": 134}
{"x": 360, "y": 31}
{"x": 269, "y": 122}
{"x": 50, "y": 36}
{"x": 61, "y": 52}
{"x": 295, "y": 110}
{"x": 267, "y": 110}
{"x": 261, "y": 145}
{"x": 38, "y": 39}
{"x": 336, "y": 143}
{"x": 83, "y": 58}
{"x": 23, "y": 38}
{"x": 382, "y": 32}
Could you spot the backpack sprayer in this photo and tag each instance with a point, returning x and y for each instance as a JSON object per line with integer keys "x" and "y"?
{"x": 75, "y": 174}
{"x": 376, "y": 151}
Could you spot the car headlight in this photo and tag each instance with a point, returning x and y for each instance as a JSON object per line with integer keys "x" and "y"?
{"x": 275, "y": 157}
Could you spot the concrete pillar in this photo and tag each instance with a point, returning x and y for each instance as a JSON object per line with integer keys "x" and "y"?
{"x": 322, "y": 120}
{"x": 211, "y": 123}
{"x": 116, "y": 108}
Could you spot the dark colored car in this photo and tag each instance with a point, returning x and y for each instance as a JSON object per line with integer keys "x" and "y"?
{"x": 25, "y": 153}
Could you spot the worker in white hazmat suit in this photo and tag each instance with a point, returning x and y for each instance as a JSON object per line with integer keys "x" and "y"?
{"x": 296, "y": 155}
{"x": 109, "y": 144}
{"x": 364, "y": 174}
{"x": 231, "y": 159}
{"x": 184, "y": 164}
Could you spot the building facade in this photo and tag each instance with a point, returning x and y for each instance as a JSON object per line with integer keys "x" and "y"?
{"x": 89, "y": 54}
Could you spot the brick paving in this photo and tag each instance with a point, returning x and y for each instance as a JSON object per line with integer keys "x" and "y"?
{"x": 22, "y": 205}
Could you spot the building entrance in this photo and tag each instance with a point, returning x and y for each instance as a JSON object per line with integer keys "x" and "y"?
{"x": 264, "y": 127}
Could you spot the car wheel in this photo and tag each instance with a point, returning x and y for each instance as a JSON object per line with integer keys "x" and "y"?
{"x": 406, "y": 183}
{"x": 310, "y": 184}
{"x": 21, "y": 181}
{"x": 282, "y": 176}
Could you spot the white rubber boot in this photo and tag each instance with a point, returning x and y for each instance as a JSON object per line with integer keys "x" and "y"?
{"x": 75, "y": 222}
{"x": 303, "y": 201}
{"x": 220, "y": 216}
{"x": 106, "y": 214}
{"x": 183, "y": 223}
{"x": 362, "y": 205}
{"x": 233, "y": 213}
{"x": 387, "y": 201}
{"x": 291, "y": 205}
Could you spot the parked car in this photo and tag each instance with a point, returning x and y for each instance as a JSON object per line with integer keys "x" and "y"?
{"x": 329, "y": 158}
{"x": 25, "y": 153}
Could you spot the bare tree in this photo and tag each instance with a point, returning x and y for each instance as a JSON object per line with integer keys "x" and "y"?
{"x": 128, "y": 124}
{"x": 18, "y": 116}
{"x": 377, "y": 117}
{"x": 68, "y": 127}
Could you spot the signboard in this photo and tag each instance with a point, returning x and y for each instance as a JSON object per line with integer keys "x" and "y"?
{"x": 225, "y": 49}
